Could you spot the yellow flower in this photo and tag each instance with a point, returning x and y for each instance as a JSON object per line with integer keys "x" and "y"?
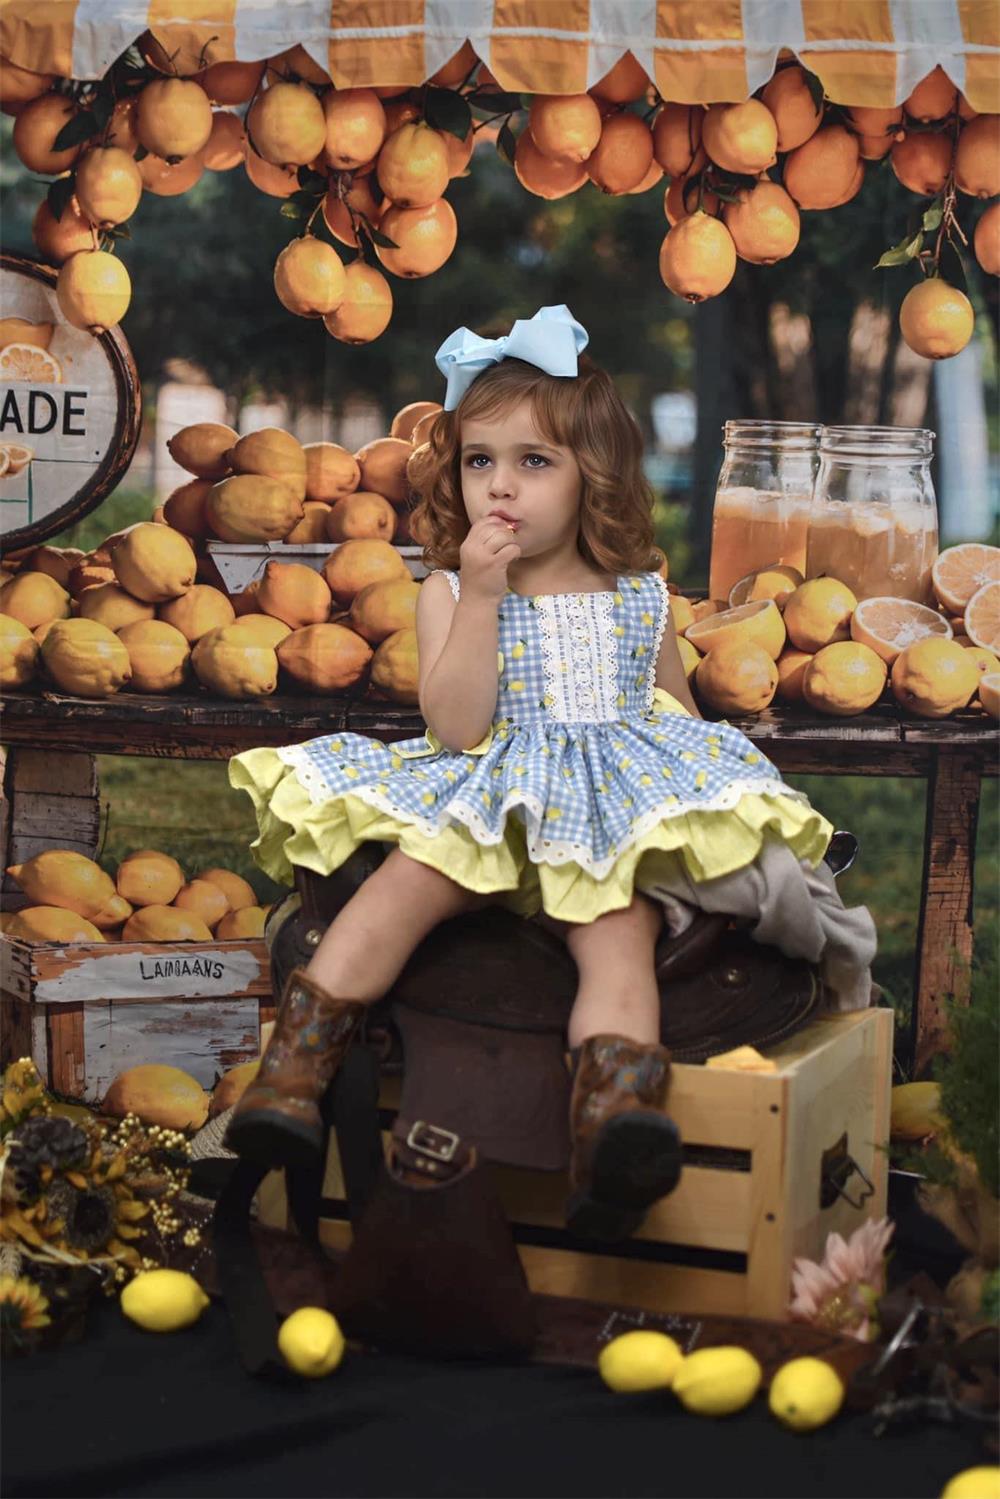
{"x": 22, "y": 1305}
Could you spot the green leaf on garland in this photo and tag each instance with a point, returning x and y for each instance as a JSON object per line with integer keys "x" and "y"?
{"x": 902, "y": 253}
{"x": 446, "y": 110}
{"x": 506, "y": 144}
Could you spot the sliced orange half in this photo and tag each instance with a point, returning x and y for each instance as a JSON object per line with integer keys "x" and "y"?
{"x": 888, "y": 624}
{"x": 19, "y": 457}
{"x": 26, "y": 362}
{"x": 775, "y": 581}
{"x": 959, "y": 571}
{"x": 982, "y": 617}
{"x": 758, "y": 623}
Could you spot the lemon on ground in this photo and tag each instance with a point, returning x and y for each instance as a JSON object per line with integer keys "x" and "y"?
{"x": 717, "y": 1381}
{"x": 18, "y": 653}
{"x": 915, "y": 1111}
{"x": 639, "y": 1360}
{"x": 52, "y": 924}
{"x": 973, "y": 1483}
{"x": 933, "y": 678}
{"x": 234, "y": 663}
{"x": 757, "y": 623}
{"x": 776, "y": 581}
{"x": 844, "y": 678}
{"x": 982, "y": 617}
{"x": 240, "y": 925}
{"x": 935, "y": 319}
{"x": 165, "y": 924}
{"x": 989, "y": 693}
{"x": 311, "y": 1342}
{"x": 960, "y": 571}
{"x": 85, "y": 659}
{"x": 806, "y": 1393}
{"x": 237, "y": 891}
{"x": 887, "y": 624}
{"x": 93, "y": 290}
{"x": 163, "y": 1300}
{"x": 818, "y": 612}
{"x": 737, "y": 677}
{"x": 154, "y": 563}
{"x": 34, "y": 598}
{"x": 148, "y": 878}
{"x": 158, "y": 655}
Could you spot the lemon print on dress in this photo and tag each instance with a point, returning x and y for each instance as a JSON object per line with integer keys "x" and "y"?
{"x": 645, "y": 780}
{"x": 646, "y": 617}
{"x": 640, "y": 650}
{"x": 337, "y": 744}
{"x": 618, "y": 601}
{"x": 518, "y": 651}
{"x": 486, "y": 798}
{"x": 624, "y": 764}
{"x": 701, "y": 778}
{"x": 553, "y": 814}
{"x": 351, "y": 772}
{"x": 666, "y": 771}
{"x": 752, "y": 759}
{"x": 640, "y": 680}
{"x": 499, "y": 663}
{"x": 428, "y": 797}
{"x": 687, "y": 754}
{"x": 396, "y": 762}
{"x": 516, "y": 686}
{"x": 635, "y": 584}
{"x": 619, "y": 630}
{"x": 620, "y": 700}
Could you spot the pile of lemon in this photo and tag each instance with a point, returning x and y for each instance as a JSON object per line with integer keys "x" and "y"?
{"x": 74, "y": 900}
{"x": 147, "y": 611}
{"x": 813, "y": 642}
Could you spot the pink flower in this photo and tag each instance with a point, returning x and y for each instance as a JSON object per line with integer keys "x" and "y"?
{"x": 841, "y": 1293}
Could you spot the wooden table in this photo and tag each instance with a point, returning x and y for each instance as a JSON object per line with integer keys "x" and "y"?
{"x": 953, "y": 754}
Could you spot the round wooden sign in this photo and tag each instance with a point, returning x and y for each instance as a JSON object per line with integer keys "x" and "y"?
{"x": 70, "y": 406}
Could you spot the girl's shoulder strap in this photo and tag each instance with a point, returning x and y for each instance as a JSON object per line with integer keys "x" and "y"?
{"x": 661, "y": 594}
{"x": 453, "y": 580}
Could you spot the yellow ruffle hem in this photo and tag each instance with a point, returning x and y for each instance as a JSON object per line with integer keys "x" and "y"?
{"x": 320, "y": 836}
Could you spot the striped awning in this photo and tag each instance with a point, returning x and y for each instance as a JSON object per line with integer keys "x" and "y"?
{"x": 870, "y": 52}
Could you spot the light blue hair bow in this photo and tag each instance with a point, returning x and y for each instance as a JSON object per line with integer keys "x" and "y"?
{"x": 551, "y": 340}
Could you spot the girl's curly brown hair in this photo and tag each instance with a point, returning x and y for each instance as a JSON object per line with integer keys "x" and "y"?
{"x": 585, "y": 414}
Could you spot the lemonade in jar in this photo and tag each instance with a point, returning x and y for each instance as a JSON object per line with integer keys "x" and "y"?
{"x": 762, "y": 500}
{"x": 874, "y": 520}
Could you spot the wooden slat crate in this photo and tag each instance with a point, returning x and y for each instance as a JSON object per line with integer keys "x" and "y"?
{"x": 751, "y": 1197}
{"x": 45, "y": 804}
{"x": 86, "y": 1011}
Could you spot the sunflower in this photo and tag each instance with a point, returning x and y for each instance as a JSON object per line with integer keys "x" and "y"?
{"x": 80, "y": 1214}
{"x": 23, "y": 1308}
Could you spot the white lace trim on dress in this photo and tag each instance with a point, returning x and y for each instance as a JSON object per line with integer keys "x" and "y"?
{"x": 452, "y": 582}
{"x": 661, "y": 625}
{"x": 580, "y": 687}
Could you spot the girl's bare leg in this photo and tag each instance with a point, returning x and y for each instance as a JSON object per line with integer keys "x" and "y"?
{"x": 617, "y": 992}
{"x": 366, "y": 946}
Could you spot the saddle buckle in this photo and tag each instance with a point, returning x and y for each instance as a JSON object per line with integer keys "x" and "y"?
{"x": 431, "y": 1140}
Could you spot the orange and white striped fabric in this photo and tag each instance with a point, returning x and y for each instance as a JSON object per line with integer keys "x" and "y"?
{"x": 869, "y": 52}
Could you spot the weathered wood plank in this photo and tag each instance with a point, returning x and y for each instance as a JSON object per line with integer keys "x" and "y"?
{"x": 59, "y": 974}
{"x": 203, "y": 1039}
{"x": 53, "y": 803}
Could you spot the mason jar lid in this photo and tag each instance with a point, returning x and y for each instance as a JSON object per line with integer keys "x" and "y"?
{"x": 876, "y": 442}
{"x": 789, "y": 436}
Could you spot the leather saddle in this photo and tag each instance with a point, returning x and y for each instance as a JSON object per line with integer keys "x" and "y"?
{"x": 481, "y": 1008}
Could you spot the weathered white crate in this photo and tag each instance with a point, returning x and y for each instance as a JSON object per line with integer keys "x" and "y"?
{"x": 753, "y": 1193}
{"x": 47, "y": 802}
{"x": 243, "y": 563}
{"x": 86, "y": 1011}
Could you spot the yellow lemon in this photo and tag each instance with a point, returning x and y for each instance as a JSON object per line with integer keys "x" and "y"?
{"x": 85, "y": 658}
{"x": 111, "y": 605}
{"x": 264, "y": 628}
{"x": 973, "y": 1483}
{"x": 844, "y": 678}
{"x": 158, "y": 654}
{"x": 18, "y": 653}
{"x": 163, "y": 1300}
{"x": 689, "y": 657}
{"x": 236, "y": 889}
{"x": 93, "y": 290}
{"x": 34, "y": 598}
{"x": 806, "y": 1393}
{"x": 717, "y": 1381}
{"x": 252, "y": 507}
{"x": 639, "y": 1360}
{"x": 930, "y": 678}
{"x": 989, "y": 693}
{"x": 158, "y": 1094}
{"x": 757, "y": 623}
{"x": 154, "y": 563}
{"x": 202, "y": 898}
{"x": 148, "y": 878}
{"x": 682, "y": 612}
{"x": 272, "y": 453}
{"x": 775, "y": 582}
{"x": 52, "y": 924}
{"x": 115, "y": 912}
{"x": 234, "y": 663}
{"x": 935, "y": 319}
{"x": 818, "y": 612}
{"x": 737, "y": 677}
{"x": 311, "y": 1342}
{"x": 202, "y": 447}
{"x": 232, "y": 1085}
{"x": 201, "y": 609}
{"x": 915, "y": 1111}
{"x": 165, "y": 924}
{"x": 309, "y": 278}
{"x": 239, "y": 925}
{"x": 61, "y": 877}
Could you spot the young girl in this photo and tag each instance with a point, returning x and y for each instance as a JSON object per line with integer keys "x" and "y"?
{"x": 566, "y": 773}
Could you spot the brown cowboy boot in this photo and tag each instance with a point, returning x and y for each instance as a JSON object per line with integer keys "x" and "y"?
{"x": 626, "y": 1151}
{"x": 277, "y": 1122}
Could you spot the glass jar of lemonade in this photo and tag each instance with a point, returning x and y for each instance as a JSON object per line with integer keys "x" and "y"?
{"x": 762, "y": 500}
{"x": 874, "y": 519}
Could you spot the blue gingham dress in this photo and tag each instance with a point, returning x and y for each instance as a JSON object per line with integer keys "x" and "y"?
{"x": 579, "y": 753}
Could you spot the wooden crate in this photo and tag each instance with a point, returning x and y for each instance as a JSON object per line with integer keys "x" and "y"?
{"x": 86, "y": 1011}
{"x": 751, "y": 1197}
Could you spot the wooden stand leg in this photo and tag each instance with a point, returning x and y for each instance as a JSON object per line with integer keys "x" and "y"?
{"x": 944, "y": 932}
{"x": 50, "y": 800}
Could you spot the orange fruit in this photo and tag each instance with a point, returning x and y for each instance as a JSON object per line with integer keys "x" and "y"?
{"x": 877, "y": 129}
{"x": 960, "y": 571}
{"x": 35, "y": 130}
{"x": 382, "y": 608}
{"x": 986, "y": 240}
{"x": 424, "y": 238}
{"x": 407, "y": 418}
{"x": 324, "y": 657}
{"x": 823, "y": 173}
{"x": 361, "y": 514}
{"x": 276, "y": 181}
{"x": 795, "y": 112}
{"x": 294, "y": 593}
{"x": 764, "y": 223}
{"x": 331, "y": 471}
{"x": 982, "y": 617}
{"x": 922, "y": 161}
{"x": 202, "y": 898}
{"x": 935, "y": 319}
{"x": 108, "y": 185}
{"x": 776, "y": 582}
{"x": 173, "y": 118}
{"x": 382, "y": 466}
{"x": 566, "y": 127}
{"x": 887, "y": 625}
{"x": 339, "y": 202}
{"x": 624, "y": 83}
{"x": 309, "y": 277}
{"x": 542, "y": 175}
{"x": 24, "y": 361}
{"x": 934, "y": 97}
{"x": 93, "y": 291}
{"x": 792, "y": 665}
{"x": 737, "y": 677}
{"x": 623, "y": 155}
{"x": 844, "y": 679}
{"x": 413, "y": 169}
{"x": 312, "y": 527}
{"x": 758, "y": 623}
{"x": 58, "y": 239}
{"x": 677, "y": 139}
{"x": 698, "y": 258}
{"x": 169, "y": 180}
{"x": 232, "y": 82}
{"x": 933, "y": 678}
{"x": 977, "y": 157}
{"x": 355, "y": 127}
{"x": 366, "y": 309}
{"x": 227, "y": 144}
{"x": 355, "y": 563}
{"x": 741, "y": 137}
{"x": 286, "y": 125}
{"x": 652, "y": 177}
{"x": 818, "y": 613}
